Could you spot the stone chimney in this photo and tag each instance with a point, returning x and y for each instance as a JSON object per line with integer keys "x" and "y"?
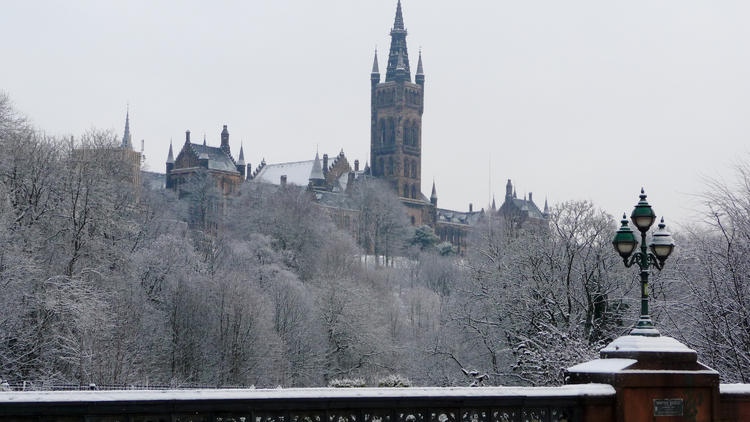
{"x": 356, "y": 165}
{"x": 471, "y": 207}
{"x": 349, "y": 181}
{"x": 530, "y": 200}
{"x": 325, "y": 164}
{"x": 283, "y": 180}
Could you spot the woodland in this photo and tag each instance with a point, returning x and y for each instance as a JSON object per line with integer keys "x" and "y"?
{"x": 105, "y": 282}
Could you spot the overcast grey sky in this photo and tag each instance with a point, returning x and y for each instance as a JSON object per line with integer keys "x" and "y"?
{"x": 570, "y": 99}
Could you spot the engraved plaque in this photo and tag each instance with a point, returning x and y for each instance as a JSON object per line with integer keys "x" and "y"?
{"x": 668, "y": 407}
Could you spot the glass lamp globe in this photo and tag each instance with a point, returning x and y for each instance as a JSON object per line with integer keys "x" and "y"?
{"x": 643, "y": 215}
{"x": 662, "y": 243}
{"x": 624, "y": 241}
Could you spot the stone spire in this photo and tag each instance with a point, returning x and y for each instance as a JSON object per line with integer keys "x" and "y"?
{"x": 419, "y": 77}
{"x": 241, "y": 159}
{"x": 494, "y": 207}
{"x": 317, "y": 169}
{"x": 170, "y": 156}
{"x": 126, "y": 138}
{"x": 433, "y": 195}
{"x": 398, "y": 23}
{"x": 375, "y": 74}
{"x": 546, "y": 206}
{"x": 398, "y": 48}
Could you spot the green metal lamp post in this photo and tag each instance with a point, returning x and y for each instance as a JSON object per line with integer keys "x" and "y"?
{"x": 661, "y": 245}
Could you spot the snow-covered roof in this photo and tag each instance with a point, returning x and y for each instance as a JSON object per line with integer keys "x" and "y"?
{"x": 458, "y": 217}
{"x": 647, "y": 344}
{"x": 217, "y": 158}
{"x": 304, "y": 393}
{"x": 297, "y": 173}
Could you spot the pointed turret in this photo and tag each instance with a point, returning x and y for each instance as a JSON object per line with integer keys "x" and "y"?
{"x": 375, "y": 74}
{"x": 170, "y": 156}
{"x": 241, "y": 162}
{"x": 419, "y": 77}
{"x": 170, "y": 167}
{"x": 316, "y": 174}
{"x": 398, "y": 48}
{"x": 433, "y": 195}
{"x": 204, "y": 139}
{"x": 126, "y": 138}
{"x": 241, "y": 158}
{"x": 494, "y": 207}
{"x": 545, "y": 213}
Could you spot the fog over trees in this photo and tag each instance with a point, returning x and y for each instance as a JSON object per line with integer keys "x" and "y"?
{"x": 109, "y": 283}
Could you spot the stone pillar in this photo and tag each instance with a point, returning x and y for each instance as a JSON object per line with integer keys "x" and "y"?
{"x": 655, "y": 378}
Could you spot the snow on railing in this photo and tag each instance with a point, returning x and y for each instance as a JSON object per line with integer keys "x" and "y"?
{"x": 410, "y": 404}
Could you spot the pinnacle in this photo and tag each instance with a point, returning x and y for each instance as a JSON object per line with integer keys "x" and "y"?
{"x": 398, "y": 23}
{"x": 241, "y": 159}
{"x": 170, "y": 156}
{"x": 126, "y": 137}
{"x": 375, "y": 67}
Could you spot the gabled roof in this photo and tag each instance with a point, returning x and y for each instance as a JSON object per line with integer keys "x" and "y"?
{"x": 458, "y": 217}
{"x": 217, "y": 158}
{"x": 297, "y": 173}
{"x": 523, "y": 205}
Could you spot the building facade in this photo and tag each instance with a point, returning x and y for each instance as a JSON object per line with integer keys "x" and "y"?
{"x": 396, "y": 109}
{"x": 217, "y": 162}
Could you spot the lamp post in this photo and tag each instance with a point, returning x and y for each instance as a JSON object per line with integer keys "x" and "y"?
{"x": 662, "y": 245}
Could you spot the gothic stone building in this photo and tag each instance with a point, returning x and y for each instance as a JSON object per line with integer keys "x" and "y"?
{"x": 396, "y": 108}
{"x": 216, "y": 161}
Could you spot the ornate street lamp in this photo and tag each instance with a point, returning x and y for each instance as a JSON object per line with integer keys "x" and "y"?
{"x": 661, "y": 245}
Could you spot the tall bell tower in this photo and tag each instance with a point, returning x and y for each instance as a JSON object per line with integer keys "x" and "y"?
{"x": 396, "y": 119}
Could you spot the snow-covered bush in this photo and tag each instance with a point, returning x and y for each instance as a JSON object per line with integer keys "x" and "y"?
{"x": 347, "y": 383}
{"x": 394, "y": 380}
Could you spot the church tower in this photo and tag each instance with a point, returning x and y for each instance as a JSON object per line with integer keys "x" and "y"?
{"x": 396, "y": 117}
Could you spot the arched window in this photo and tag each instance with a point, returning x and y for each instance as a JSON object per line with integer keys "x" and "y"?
{"x": 390, "y": 166}
{"x": 414, "y": 169}
{"x": 391, "y": 131}
{"x": 407, "y": 132}
{"x": 414, "y": 191}
{"x": 406, "y": 168}
{"x": 381, "y": 132}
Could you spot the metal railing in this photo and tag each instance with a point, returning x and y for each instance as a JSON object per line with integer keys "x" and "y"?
{"x": 482, "y": 404}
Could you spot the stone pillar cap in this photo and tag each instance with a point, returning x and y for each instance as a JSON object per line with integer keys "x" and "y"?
{"x": 638, "y": 347}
